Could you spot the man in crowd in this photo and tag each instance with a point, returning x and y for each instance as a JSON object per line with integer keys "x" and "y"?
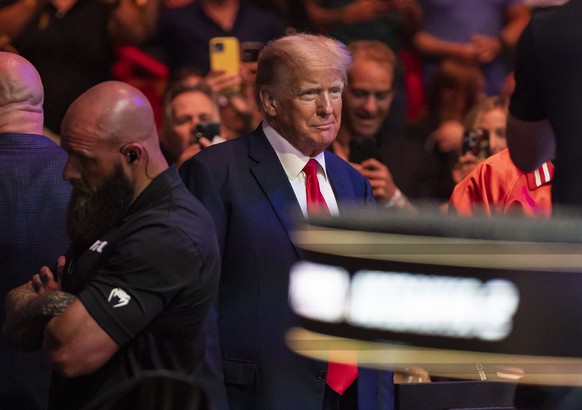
{"x": 143, "y": 268}
{"x": 32, "y": 216}
{"x": 367, "y": 102}
{"x": 185, "y": 32}
{"x": 254, "y": 187}
{"x": 186, "y": 107}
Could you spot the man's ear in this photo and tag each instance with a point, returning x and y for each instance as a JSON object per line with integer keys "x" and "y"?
{"x": 132, "y": 151}
{"x": 268, "y": 102}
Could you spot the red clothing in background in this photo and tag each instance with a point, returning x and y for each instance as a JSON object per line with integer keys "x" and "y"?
{"x": 497, "y": 186}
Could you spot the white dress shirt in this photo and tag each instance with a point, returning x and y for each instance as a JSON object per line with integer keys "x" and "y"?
{"x": 293, "y": 162}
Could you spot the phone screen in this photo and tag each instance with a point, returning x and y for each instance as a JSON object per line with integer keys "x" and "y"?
{"x": 476, "y": 142}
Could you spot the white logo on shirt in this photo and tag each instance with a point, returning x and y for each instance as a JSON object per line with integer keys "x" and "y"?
{"x": 122, "y": 298}
{"x": 98, "y": 246}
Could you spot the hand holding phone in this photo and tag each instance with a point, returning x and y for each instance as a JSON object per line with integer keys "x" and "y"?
{"x": 476, "y": 142}
{"x": 225, "y": 56}
{"x": 208, "y": 130}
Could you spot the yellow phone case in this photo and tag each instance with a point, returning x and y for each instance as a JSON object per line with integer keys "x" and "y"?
{"x": 225, "y": 54}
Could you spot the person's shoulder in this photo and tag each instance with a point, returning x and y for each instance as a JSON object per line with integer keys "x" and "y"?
{"x": 53, "y": 148}
{"x": 175, "y": 211}
{"x": 336, "y": 165}
{"x": 500, "y": 158}
{"x": 189, "y": 213}
{"x": 218, "y": 153}
{"x": 36, "y": 146}
{"x": 499, "y": 167}
{"x": 216, "y": 160}
{"x": 332, "y": 159}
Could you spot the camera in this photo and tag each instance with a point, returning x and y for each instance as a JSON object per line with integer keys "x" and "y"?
{"x": 250, "y": 51}
{"x": 207, "y": 130}
{"x": 477, "y": 143}
{"x": 218, "y": 47}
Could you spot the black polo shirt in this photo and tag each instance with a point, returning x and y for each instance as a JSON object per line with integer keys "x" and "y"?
{"x": 149, "y": 284}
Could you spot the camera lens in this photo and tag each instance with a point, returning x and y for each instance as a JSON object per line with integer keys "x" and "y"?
{"x": 218, "y": 47}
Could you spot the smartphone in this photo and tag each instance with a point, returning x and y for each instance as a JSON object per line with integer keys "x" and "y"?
{"x": 250, "y": 51}
{"x": 225, "y": 54}
{"x": 477, "y": 143}
{"x": 362, "y": 148}
{"x": 208, "y": 130}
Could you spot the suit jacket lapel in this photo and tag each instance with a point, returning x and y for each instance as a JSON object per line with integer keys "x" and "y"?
{"x": 270, "y": 175}
{"x": 338, "y": 180}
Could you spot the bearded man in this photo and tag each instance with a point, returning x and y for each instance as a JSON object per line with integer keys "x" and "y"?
{"x": 134, "y": 292}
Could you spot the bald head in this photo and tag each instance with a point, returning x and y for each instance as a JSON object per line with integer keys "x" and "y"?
{"x": 113, "y": 124}
{"x": 21, "y": 95}
{"x": 116, "y": 111}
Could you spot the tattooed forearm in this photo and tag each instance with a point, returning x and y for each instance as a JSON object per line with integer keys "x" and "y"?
{"x": 57, "y": 302}
{"x": 27, "y": 314}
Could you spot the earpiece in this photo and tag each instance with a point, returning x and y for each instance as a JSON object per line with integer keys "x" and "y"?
{"x": 131, "y": 155}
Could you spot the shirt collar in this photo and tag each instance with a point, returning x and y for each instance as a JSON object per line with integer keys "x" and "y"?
{"x": 157, "y": 188}
{"x": 292, "y": 160}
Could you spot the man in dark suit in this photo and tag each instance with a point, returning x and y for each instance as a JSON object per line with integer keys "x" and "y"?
{"x": 255, "y": 187}
{"x": 33, "y": 210}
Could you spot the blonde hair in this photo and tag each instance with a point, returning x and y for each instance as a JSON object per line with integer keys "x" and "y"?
{"x": 373, "y": 50}
{"x": 474, "y": 115}
{"x": 299, "y": 51}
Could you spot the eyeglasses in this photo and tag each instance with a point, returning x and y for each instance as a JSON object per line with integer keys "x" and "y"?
{"x": 362, "y": 94}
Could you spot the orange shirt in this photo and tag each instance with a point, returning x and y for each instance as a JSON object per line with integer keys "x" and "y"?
{"x": 496, "y": 186}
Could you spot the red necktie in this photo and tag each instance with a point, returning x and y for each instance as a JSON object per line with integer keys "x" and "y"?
{"x": 339, "y": 375}
{"x": 315, "y": 201}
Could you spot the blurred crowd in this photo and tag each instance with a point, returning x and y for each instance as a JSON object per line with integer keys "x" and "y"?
{"x": 449, "y": 56}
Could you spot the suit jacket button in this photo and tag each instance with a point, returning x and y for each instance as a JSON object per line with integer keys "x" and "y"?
{"x": 320, "y": 375}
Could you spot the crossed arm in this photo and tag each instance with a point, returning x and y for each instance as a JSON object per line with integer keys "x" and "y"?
{"x": 40, "y": 314}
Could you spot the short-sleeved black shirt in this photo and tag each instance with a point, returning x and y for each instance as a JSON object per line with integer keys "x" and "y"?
{"x": 149, "y": 284}
{"x": 548, "y": 86}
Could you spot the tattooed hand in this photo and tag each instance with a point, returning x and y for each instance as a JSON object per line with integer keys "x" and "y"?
{"x": 29, "y": 308}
